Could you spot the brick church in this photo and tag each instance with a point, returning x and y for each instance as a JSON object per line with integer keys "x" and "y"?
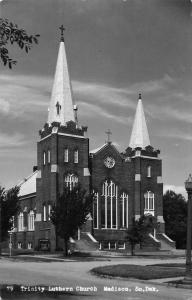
{"x": 126, "y": 185}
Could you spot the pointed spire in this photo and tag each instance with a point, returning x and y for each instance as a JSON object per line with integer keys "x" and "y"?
{"x": 139, "y": 135}
{"x": 61, "y": 104}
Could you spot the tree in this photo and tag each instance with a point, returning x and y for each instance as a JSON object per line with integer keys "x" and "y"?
{"x": 70, "y": 212}
{"x": 139, "y": 230}
{"x": 10, "y": 33}
{"x": 9, "y": 203}
{"x": 175, "y": 216}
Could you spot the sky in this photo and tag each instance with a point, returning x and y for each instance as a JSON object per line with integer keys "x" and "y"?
{"x": 116, "y": 49}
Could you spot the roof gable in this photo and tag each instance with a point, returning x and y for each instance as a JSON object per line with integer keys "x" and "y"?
{"x": 28, "y": 185}
{"x": 105, "y": 147}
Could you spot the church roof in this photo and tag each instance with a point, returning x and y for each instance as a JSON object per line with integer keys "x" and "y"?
{"x": 102, "y": 147}
{"x": 139, "y": 135}
{"x": 61, "y": 104}
{"x": 98, "y": 149}
{"x": 28, "y": 185}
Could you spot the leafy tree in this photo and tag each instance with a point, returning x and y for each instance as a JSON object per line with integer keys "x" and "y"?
{"x": 139, "y": 230}
{"x": 9, "y": 206}
{"x": 175, "y": 216}
{"x": 10, "y": 33}
{"x": 71, "y": 212}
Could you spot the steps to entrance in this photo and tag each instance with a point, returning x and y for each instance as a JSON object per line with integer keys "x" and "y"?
{"x": 86, "y": 243}
{"x": 166, "y": 242}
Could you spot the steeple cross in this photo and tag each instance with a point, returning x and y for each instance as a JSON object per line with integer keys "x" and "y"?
{"x": 108, "y": 132}
{"x": 62, "y": 28}
{"x": 58, "y": 107}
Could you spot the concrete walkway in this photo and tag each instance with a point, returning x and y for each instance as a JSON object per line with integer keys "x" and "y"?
{"x": 76, "y": 274}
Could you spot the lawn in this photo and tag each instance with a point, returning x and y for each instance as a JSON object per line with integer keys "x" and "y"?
{"x": 139, "y": 272}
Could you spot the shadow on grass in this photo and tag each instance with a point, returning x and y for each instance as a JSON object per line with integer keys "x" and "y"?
{"x": 138, "y": 272}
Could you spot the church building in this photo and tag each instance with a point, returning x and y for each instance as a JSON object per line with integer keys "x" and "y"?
{"x": 126, "y": 185}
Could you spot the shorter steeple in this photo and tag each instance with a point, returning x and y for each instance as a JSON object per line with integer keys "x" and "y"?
{"x": 139, "y": 135}
{"x": 61, "y": 104}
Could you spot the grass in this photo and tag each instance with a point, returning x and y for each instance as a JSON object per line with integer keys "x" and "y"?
{"x": 138, "y": 272}
{"x": 27, "y": 258}
{"x": 172, "y": 265}
{"x": 30, "y": 259}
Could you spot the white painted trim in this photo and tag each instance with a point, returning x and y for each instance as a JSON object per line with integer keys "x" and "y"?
{"x": 111, "y": 188}
{"x": 45, "y": 137}
{"x": 66, "y": 134}
{"x": 72, "y": 135}
{"x": 137, "y": 177}
{"x": 54, "y": 168}
{"x": 106, "y": 204}
{"x": 149, "y": 157}
{"x": 156, "y": 240}
{"x": 31, "y": 196}
{"x": 167, "y": 237}
{"x": 122, "y": 248}
{"x": 86, "y": 172}
{"x": 127, "y": 207}
{"x": 91, "y": 237}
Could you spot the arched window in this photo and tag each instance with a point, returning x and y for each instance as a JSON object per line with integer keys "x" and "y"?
{"x": 149, "y": 203}
{"x": 76, "y": 156}
{"x": 109, "y": 205}
{"x": 49, "y": 156}
{"x": 49, "y": 211}
{"x": 44, "y": 213}
{"x": 149, "y": 171}
{"x": 31, "y": 219}
{"x": 71, "y": 180}
{"x": 123, "y": 210}
{"x": 19, "y": 245}
{"x": 44, "y": 158}
{"x": 66, "y": 155}
{"x": 29, "y": 245}
{"x": 20, "y": 222}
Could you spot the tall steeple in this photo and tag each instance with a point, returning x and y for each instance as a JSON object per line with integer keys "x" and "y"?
{"x": 139, "y": 135}
{"x": 61, "y": 104}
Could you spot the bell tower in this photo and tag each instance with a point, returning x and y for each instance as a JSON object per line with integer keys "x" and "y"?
{"x": 62, "y": 151}
{"x": 148, "y": 188}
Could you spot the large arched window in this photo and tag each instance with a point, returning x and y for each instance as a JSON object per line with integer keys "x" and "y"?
{"x": 109, "y": 205}
{"x": 31, "y": 219}
{"x": 149, "y": 198}
{"x": 71, "y": 180}
{"x": 123, "y": 211}
{"x": 20, "y": 222}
